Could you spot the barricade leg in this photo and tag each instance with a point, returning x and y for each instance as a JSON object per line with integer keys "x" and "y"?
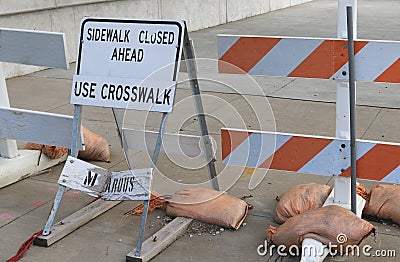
{"x": 8, "y": 148}
{"x": 189, "y": 55}
{"x": 146, "y": 202}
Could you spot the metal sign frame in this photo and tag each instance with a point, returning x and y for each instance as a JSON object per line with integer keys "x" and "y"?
{"x": 46, "y": 239}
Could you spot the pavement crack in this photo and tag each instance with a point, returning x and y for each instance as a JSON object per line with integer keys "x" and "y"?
{"x": 55, "y": 108}
{"x": 280, "y": 88}
{"x": 25, "y": 213}
{"x": 370, "y": 124}
{"x": 50, "y": 77}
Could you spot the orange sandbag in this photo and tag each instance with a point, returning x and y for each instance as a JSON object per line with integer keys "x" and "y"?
{"x": 362, "y": 191}
{"x": 300, "y": 198}
{"x": 54, "y": 152}
{"x": 156, "y": 201}
{"x": 96, "y": 147}
{"x": 323, "y": 224}
{"x": 208, "y": 206}
{"x": 384, "y": 201}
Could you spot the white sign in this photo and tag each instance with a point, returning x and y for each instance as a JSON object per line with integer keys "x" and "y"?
{"x": 96, "y": 181}
{"x": 149, "y": 95}
{"x": 118, "y": 58}
{"x": 129, "y": 185}
{"x": 82, "y": 176}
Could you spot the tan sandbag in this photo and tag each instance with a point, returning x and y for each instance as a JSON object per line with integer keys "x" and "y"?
{"x": 96, "y": 147}
{"x": 209, "y": 206}
{"x": 323, "y": 224}
{"x": 384, "y": 202}
{"x": 53, "y": 152}
{"x": 300, "y": 198}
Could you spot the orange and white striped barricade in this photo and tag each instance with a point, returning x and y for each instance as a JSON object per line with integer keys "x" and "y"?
{"x": 375, "y": 61}
{"x": 317, "y": 155}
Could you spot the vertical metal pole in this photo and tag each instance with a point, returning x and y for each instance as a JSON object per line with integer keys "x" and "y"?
{"x": 159, "y": 139}
{"x": 343, "y": 184}
{"x": 342, "y": 87}
{"x": 352, "y": 110}
{"x": 76, "y": 139}
{"x": 122, "y": 140}
{"x": 8, "y": 148}
{"x": 191, "y": 67}
{"x": 146, "y": 202}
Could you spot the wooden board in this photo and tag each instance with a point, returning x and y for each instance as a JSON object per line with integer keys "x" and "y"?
{"x": 324, "y": 58}
{"x": 75, "y": 221}
{"x": 165, "y": 237}
{"x": 310, "y": 154}
{"x": 31, "y": 47}
{"x": 37, "y": 127}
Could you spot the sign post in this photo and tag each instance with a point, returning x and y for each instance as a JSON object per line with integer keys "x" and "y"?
{"x": 130, "y": 64}
{"x": 343, "y": 103}
{"x": 352, "y": 98}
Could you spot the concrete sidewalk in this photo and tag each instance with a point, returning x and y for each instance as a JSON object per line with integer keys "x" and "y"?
{"x": 296, "y": 106}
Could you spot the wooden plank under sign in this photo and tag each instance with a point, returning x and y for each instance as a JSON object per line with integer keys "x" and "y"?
{"x": 165, "y": 237}
{"x": 85, "y": 177}
{"x": 75, "y": 221}
{"x": 129, "y": 185}
{"x": 38, "y": 127}
{"x": 31, "y": 47}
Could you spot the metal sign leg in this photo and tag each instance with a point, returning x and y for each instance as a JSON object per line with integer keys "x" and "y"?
{"x": 76, "y": 139}
{"x": 122, "y": 139}
{"x": 191, "y": 66}
{"x": 146, "y": 202}
{"x": 53, "y": 212}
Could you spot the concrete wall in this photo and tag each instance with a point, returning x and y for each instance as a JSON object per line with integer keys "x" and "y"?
{"x": 65, "y": 15}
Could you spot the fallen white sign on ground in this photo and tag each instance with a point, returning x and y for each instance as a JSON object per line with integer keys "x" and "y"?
{"x": 129, "y": 185}
{"x": 96, "y": 181}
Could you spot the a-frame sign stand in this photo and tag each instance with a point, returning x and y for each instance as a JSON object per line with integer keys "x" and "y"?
{"x": 130, "y": 64}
